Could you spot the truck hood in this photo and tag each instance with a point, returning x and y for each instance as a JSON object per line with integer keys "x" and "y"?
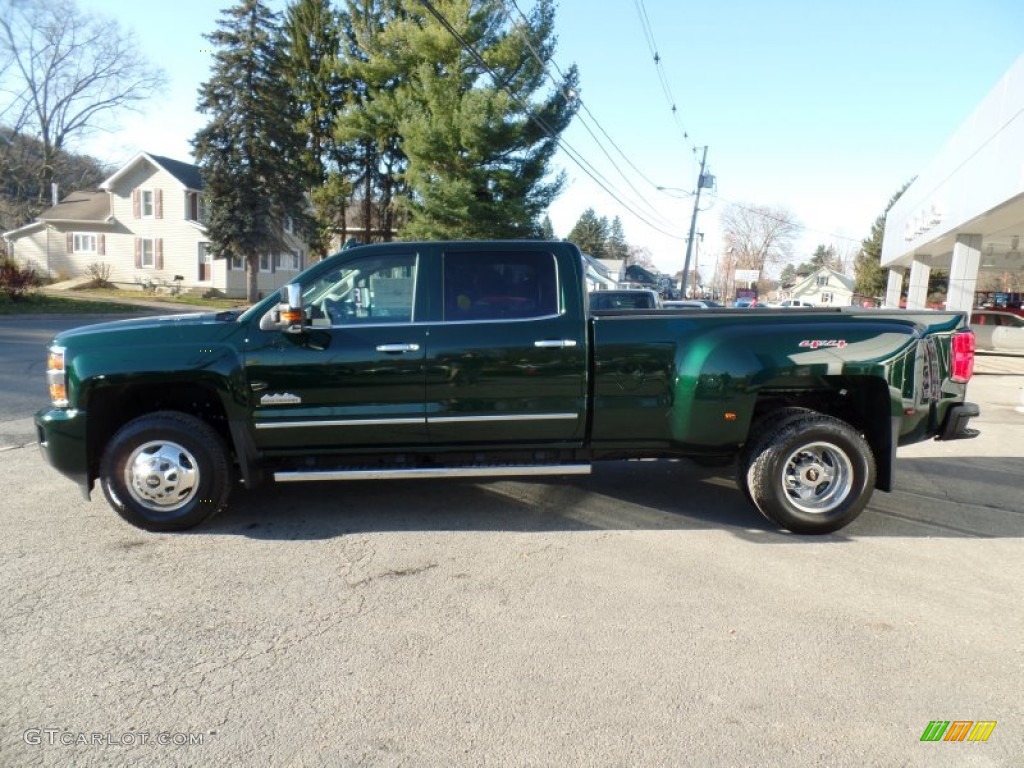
{"x": 162, "y": 326}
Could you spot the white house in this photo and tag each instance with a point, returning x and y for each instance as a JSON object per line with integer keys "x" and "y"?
{"x": 824, "y": 288}
{"x": 147, "y": 223}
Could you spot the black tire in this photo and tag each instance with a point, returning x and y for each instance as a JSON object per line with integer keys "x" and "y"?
{"x": 166, "y": 471}
{"x": 761, "y": 429}
{"x": 813, "y": 474}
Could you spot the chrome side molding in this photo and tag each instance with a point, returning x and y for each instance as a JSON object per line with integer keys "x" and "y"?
{"x": 524, "y": 470}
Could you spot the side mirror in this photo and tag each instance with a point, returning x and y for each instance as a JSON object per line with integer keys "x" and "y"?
{"x": 292, "y": 316}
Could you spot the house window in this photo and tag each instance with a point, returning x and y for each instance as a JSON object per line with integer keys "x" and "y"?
{"x": 264, "y": 262}
{"x": 192, "y": 206}
{"x": 146, "y": 201}
{"x": 277, "y": 261}
{"x": 826, "y": 298}
{"x": 296, "y": 260}
{"x": 822, "y": 280}
{"x": 84, "y": 243}
{"x": 236, "y": 264}
{"x": 147, "y": 252}
{"x": 289, "y": 225}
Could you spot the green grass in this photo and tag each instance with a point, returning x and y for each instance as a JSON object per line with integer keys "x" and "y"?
{"x": 79, "y": 303}
{"x": 163, "y": 298}
{"x": 41, "y": 304}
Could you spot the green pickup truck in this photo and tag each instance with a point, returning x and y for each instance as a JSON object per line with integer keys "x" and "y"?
{"x": 473, "y": 359}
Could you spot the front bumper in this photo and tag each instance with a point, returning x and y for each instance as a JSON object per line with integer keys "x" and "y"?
{"x": 957, "y": 419}
{"x": 62, "y": 441}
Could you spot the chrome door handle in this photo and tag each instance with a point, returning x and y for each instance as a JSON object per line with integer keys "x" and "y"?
{"x": 398, "y": 347}
{"x": 555, "y": 343}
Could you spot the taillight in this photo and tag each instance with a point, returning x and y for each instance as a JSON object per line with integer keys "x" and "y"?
{"x": 963, "y": 356}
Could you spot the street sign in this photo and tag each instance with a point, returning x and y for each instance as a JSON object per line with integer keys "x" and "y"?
{"x": 748, "y": 275}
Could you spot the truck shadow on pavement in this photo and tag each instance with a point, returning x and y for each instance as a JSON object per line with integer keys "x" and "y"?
{"x": 935, "y": 497}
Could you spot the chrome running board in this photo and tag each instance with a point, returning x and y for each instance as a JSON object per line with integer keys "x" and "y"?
{"x": 510, "y": 470}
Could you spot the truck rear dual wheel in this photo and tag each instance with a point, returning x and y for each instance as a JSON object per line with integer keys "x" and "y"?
{"x": 810, "y": 473}
{"x": 166, "y": 471}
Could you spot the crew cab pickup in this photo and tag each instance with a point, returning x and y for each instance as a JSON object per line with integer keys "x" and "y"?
{"x": 467, "y": 359}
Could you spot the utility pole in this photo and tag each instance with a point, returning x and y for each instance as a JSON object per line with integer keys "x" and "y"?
{"x": 693, "y": 223}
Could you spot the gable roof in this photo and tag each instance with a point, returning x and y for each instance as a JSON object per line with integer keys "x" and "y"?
{"x": 811, "y": 280}
{"x": 186, "y": 174}
{"x": 79, "y": 206}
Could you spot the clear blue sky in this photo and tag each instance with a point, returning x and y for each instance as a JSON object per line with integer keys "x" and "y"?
{"x": 823, "y": 108}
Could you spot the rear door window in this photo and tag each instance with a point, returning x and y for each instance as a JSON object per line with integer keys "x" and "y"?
{"x": 480, "y": 285}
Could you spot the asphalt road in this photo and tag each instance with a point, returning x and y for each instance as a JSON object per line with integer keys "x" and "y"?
{"x": 23, "y": 342}
{"x": 642, "y": 616}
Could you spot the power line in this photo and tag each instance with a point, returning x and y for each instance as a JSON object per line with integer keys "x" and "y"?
{"x": 645, "y": 23}
{"x": 544, "y": 67}
{"x": 570, "y": 151}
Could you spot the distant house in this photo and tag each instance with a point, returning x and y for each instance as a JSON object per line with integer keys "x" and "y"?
{"x": 637, "y": 275}
{"x": 597, "y": 273}
{"x": 147, "y": 222}
{"x": 824, "y": 288}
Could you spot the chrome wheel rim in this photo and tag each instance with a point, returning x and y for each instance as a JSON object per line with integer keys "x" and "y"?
{"x": 161, "y": 476}
{"x": 817, "y": 477}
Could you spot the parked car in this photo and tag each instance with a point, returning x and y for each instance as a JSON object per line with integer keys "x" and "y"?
{"x": 998, "y": 331}
{"x": 691, "y": 304}
{"x": 638, "y": 298}
{"x": 795, "y": 303}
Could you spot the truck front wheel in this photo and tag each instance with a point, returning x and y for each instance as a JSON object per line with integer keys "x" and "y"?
{"x": 165, "y": 471}
{"x": 812, "y": 474}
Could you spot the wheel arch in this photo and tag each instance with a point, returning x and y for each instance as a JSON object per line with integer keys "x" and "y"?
{"x": 864, "y": 402}
{"x": 112, "y": 404}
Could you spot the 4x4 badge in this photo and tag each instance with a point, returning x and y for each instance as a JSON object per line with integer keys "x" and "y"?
{"x": 819, "y": 343}
{"x": 285, "y": 398}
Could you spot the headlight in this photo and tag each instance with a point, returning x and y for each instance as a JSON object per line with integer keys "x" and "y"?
{"x": 57, "y": 377}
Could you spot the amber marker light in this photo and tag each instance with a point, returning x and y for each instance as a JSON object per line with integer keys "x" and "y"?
{"x": 56, "y": 377}
{"x": 729, "y": 416}
{"x": 291, "y": 317}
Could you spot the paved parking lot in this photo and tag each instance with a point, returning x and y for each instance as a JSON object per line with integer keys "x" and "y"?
{"x": 642, "y": 616}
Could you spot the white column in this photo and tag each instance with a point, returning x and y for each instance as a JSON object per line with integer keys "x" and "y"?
{"x": 917, "y": 291}
{"x": 963, "y": 272}
{"x": 894, "y": 289}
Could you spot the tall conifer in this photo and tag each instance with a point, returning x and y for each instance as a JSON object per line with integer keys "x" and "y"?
{"x": 250, "y": 151}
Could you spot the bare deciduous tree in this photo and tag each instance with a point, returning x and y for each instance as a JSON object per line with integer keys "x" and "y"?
{"x": 757, "y": 236}
{"x": 63, "y": 72}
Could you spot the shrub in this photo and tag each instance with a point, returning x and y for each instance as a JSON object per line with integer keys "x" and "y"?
{"x": 99, "y": 271}
{"x": 16, "y": 281}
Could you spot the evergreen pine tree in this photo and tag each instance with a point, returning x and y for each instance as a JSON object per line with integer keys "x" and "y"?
{"x": 824, "y": 256}
{"x": 547, "y": 229}
{"x": 250, "y": 152}
{"x": 377, "y": 66}
{"x": 616, "y": 244}
{"x": 590, "y": 234}
{"x": 478, "y": 138}
{"x": 871, "y": 277}
{"x": 310, "y": 50}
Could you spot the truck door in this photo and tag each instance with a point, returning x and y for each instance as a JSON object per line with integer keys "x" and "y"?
{"x": 356, "y": 377}
{"x": 507, "y": 358}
